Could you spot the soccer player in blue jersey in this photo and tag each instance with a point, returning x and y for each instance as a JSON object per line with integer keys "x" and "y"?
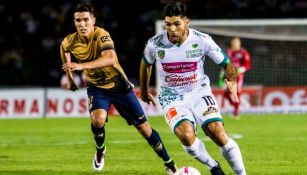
{"x": 107, "y": 84}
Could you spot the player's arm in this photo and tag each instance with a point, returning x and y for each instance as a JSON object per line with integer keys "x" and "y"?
{"x": 231, "y": 78}
{"x": 66, "y": 58}
{"x": 145, "y": 74}
{"x": 221, "y": 58}
{"x": 247, "y": 63}
{"x": 107, "y": 55}
{"x": 107, "y": 58}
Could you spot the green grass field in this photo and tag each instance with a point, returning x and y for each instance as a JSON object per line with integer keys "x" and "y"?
{"x": 270, "y": 144}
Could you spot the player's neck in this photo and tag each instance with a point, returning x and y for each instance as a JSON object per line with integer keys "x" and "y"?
{"x": 185, "y": 36}
{"x": 235, "y": 49}
{"x": 87, "y": 39}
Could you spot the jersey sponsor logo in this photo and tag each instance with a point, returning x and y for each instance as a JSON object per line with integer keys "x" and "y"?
{"x": 161, "y": 54}
{"x": 179, "y": 67}
{"x": 105, "y": 38}
{"x": 174, "y": 80}
{"x": 194, "y": 53}
{"x": 210, "y": 110}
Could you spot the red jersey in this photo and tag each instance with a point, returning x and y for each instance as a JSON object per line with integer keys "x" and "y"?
{"x": 240, "y": 59}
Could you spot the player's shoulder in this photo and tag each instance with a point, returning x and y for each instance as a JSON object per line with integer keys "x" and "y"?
{"x": 102, "y": 34}
{"x": 100, "y": 31}
{"x": 228, "y": 50}
{"x": 156, "y": 40}
{"x": 243, "y": 49}
{"x": 69, "y": 39}
{"x": 199, "y": 34}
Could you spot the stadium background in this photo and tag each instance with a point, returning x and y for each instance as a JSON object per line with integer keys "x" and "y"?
{"x": 31, "y": 32}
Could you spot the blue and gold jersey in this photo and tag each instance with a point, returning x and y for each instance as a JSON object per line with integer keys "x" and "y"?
{"x": 110, "y": 77}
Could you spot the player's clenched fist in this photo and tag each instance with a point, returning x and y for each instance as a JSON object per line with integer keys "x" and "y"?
{"x": 72, "y": 66}
{"x": 147, "y": 98}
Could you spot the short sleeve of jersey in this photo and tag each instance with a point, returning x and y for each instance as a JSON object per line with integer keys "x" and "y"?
{"x": 214, "y": 51}
{"x": 148, "y": 56}
{"x": 104, "y": 40}
{"x": 65, "y": 44}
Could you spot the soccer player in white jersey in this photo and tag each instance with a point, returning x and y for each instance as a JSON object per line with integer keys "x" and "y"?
{"x": 185, "y": 94}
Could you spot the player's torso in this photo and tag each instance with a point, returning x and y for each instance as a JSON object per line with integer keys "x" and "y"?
{"x": 181, "y": 68}
{"x": 107, "y": 77}
{"x": 237, "y": 57}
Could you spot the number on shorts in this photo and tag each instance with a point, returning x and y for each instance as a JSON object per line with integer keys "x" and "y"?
{"x": 209, "y": 100}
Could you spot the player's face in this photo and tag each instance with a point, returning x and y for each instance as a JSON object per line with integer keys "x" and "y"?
{"x": 84, "y": 23}
{"x": 176, "y": 27}
{"x": 235, "y": 44}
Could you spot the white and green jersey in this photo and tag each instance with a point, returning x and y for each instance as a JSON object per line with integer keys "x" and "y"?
{"x": 181, "y": 67}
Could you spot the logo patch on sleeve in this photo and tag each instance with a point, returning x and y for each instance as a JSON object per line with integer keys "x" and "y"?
{"x": 105, "y": 38}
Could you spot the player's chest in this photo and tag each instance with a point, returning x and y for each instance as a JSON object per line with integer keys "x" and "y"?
{"x": 179, "y": 54}
{"x": 84, "y": 51}
{"x": 236, "y": 57}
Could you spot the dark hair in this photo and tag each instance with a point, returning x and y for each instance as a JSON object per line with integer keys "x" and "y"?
{"x": 234, "y": 37}
{"x": 174, "y": 9}
{"x": 84, "y": 6}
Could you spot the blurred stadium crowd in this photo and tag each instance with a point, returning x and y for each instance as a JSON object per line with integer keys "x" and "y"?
{"x": 31, "y": 31}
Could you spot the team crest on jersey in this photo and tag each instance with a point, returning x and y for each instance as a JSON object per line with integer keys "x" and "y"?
{"x": 161, "y": 54}
{"x": 194, "y": 45}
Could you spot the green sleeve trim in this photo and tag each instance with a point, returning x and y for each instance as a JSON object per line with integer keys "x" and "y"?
{"x": 226, "y": 60}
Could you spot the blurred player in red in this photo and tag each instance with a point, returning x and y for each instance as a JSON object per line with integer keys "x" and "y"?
{"x": 241, "y": 59}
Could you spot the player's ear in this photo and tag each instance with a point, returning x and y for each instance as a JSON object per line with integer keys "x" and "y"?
{"x": 94, "y": 19}
{"x": 187, "y": 22}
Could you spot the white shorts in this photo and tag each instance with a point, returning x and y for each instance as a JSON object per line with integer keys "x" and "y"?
{"x": 199, "y": 107}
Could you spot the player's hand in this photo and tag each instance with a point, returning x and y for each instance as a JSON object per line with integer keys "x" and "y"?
{"x": 71, "y": 66}
{"x": 233, "y": 88}
{"x": 240, "y": 70}
{"x": 147, "y": 98}
{"x": 73, "y": 87}
{"x": 71, "y": 83}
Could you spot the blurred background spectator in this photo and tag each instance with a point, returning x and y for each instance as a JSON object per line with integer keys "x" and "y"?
{"x": 31, "y": 31}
